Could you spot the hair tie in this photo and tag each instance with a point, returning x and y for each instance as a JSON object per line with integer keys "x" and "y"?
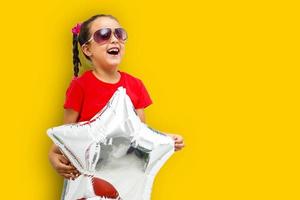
{"x": 76, "y": 29}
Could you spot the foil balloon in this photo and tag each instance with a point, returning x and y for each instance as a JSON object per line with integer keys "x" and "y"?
{"x": 116, "y": 153}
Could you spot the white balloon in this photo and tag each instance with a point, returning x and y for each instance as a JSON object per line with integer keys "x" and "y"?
{"x": 117, "y": 155}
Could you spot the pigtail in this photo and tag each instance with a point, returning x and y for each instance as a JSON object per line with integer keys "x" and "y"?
{"x": 76, "y": 60}
{"x": 81, "y": 35}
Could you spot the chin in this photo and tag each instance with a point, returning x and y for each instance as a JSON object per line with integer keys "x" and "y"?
{"x": 110, "y": 65}
{"x": 109, "y": 61}
{"x": 115, "y": 61}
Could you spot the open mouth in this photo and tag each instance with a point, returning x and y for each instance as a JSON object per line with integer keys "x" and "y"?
{"x": 113, "y": 51}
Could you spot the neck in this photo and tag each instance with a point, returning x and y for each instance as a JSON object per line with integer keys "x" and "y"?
{"x": 109, "y": 74}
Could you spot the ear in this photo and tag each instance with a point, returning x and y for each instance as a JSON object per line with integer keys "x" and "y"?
{"x": 86, "y": 50}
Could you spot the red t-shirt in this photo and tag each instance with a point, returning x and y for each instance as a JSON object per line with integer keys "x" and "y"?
{"x": 88, "y": 95}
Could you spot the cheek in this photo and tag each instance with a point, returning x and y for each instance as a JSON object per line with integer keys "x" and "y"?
{"x": 122, "y": 50}
{"x": 99, "y": 51}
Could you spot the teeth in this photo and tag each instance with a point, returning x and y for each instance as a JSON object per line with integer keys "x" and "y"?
{"x": 113, "y": 49}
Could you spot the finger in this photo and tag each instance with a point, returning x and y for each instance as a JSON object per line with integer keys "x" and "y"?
{"x": 172, "y": 136}
{"x": 63, "y": 159}
{"x": 68, "y": 171}
{"x": 178, "y": 147}
{"x": 74, "y": 171}
{"x": 178, "y": 141}
{"x": 77, "y": 174}
{"x": 73, "y": 166}
{"x": 66, "y": 175}
{"x": 178, "y": 138}
{"x": 62, "y": 166}
{"x": 70, "y": 176}
{"x": 74, "y": 176}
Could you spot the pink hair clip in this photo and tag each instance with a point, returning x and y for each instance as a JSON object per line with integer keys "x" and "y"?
{"x": 76, "y": 29}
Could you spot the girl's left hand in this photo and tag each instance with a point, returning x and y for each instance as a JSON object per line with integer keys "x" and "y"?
{"x": 178, "y": 139}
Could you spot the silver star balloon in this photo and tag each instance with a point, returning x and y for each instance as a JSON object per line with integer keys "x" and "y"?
{"x": 117, "y": 155}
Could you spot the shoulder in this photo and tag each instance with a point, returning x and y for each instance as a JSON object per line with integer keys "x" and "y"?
{"x": 84, "y": 76}
{"x": 134, "y": 84}
{"x": 137, "y": 91}
{"x": 81, "y": 80}
{"x": 132, "y": 79}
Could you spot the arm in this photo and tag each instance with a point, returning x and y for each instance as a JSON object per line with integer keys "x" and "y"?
{"x": 140, "y": 112}
{"x": 59, "y": 162}
{"x": 179, "y": 143}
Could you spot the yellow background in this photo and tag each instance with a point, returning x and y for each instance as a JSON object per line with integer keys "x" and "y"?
{"x": 224, "y": 74}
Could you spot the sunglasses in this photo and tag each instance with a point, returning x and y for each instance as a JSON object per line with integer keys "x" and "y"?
{"x": 103, "y": 35}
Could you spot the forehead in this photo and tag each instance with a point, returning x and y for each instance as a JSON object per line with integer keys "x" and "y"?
{"x": 103, "y": 22}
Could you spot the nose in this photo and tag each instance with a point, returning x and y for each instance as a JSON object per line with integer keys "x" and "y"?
{"x": 113, "y": 38}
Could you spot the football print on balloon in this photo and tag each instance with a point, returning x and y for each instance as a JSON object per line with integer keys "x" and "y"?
{"x": 116, "y": 153}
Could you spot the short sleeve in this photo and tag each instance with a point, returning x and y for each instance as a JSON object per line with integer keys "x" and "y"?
{"x": 144, "y": 97}
{"x": 74, "y": 96}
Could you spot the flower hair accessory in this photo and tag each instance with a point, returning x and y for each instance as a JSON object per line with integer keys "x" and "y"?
{"x": 76, "y": 29}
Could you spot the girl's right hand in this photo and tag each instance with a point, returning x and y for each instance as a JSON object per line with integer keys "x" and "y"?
{"x": 59, "y": 162}
{"x": 63, "y": 166}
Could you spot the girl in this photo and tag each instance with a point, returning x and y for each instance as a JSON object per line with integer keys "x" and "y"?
{"x": 102, "y": 41}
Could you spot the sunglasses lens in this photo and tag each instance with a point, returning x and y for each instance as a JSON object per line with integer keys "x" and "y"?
{"x": 121, "y": 34}
{"x": 102, "y": 35}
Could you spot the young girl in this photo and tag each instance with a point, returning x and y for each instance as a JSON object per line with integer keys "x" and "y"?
{"x": 102, "y": 40}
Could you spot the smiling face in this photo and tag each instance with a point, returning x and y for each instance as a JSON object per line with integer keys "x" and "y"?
{"x": 103, "y": 54}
